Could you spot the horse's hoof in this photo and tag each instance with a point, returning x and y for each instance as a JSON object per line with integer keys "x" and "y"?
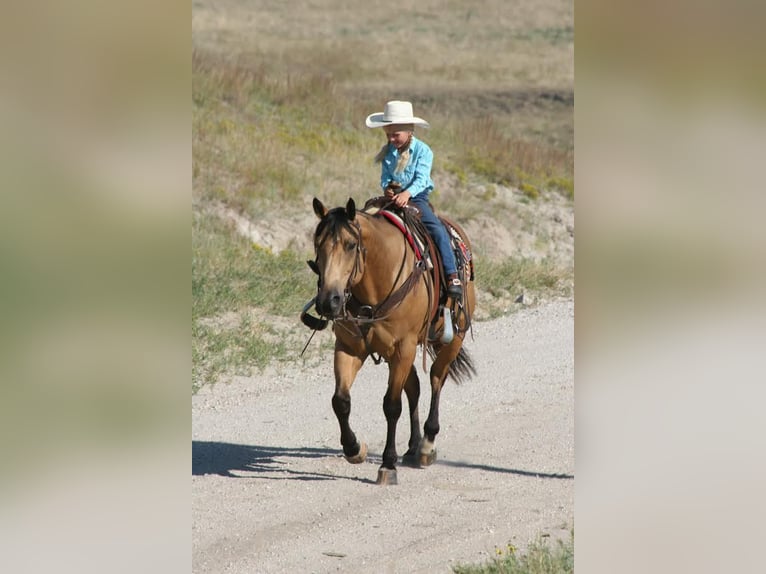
{"x": 361, "y": 456}
{"x": 427, "y": 459}
{"x": 386, "y": 476}
{"x": 410, "y": 459}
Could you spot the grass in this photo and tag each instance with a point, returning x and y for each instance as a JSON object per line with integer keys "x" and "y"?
{"x": 522, "y": 274}
{"x": 483, "y": 146}
{"x": 540, "y": 558}
{"x": 231, "y": 278}
{"x": 229, "y": 273}
{"x": 506, "y": 280}
{"x": 494, "y": 43}
{"x": 278, "y": 103}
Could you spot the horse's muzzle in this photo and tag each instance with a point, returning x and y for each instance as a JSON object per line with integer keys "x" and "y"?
{"x": 330, "y": 303}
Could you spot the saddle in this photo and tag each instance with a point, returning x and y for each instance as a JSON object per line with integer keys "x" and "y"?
{"x": 408, "y": 221}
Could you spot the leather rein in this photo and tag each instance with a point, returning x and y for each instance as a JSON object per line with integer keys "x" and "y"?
{"x": 359, "y": 313}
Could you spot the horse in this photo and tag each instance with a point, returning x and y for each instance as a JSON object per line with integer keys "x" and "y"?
{"x": 376, "y": 289}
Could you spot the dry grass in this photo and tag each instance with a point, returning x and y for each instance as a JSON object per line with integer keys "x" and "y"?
{"x": 481, "y": 146}
{"x": 491, "y": 43}
{"x": 281, "y": 90}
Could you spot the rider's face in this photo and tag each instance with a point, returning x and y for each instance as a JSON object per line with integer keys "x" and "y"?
{"x": 397, "y": 135}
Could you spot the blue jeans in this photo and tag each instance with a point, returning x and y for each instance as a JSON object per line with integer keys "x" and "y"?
{"x": 437, "y": 232}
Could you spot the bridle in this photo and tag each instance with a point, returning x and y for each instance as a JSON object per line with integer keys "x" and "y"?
{"x": 360, "y": 251}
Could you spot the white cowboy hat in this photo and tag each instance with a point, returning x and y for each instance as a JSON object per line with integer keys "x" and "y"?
{"x": 395, "y": 112}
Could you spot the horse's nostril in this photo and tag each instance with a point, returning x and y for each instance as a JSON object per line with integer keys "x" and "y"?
{"x": 336, "y": 303}
{"x": 330, "y": 304}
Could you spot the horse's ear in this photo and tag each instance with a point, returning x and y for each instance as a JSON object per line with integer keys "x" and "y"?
{"x": 351, "y": 209}
{"x": 314, "y": 266}
{"x": 319, "y": 209}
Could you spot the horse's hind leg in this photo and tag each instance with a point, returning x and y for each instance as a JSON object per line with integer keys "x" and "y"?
{"x": 412, "y": 389}
{"x": 347, "y": 366}
{"x": 438, "y": 374}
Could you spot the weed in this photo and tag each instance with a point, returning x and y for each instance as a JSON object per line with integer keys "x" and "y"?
{"x": 518, "y": 275}
{"x": 539, "y": 558}
{"x": 230, "y": 278}
{"x": 488, "y": 152}
{"x": 529, "y": 190}
{"x": 563, "y": 185}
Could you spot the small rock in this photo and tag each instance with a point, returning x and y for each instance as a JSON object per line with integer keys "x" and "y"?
{"x": 334, "y": 554}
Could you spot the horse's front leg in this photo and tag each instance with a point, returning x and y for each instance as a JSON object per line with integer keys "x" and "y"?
{"x": 347, "y": 366}
{"x": 412, "y": 390}
{"x": 399, "y": 370}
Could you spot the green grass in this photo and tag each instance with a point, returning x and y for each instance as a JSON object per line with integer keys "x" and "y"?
{"x": 506, "y": 280}
{"x": 540, "y": 558}
{"x": 231, "y": 278}
{"x": 521, "y": 274}
{"x": 230, "y": 273}
{"x": 234, "y": 351}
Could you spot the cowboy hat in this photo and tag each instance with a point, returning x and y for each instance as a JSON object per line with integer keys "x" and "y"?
{"x": 395, "y": 112}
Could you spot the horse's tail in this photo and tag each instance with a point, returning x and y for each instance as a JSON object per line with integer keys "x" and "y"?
{"x": 462, "y": 367}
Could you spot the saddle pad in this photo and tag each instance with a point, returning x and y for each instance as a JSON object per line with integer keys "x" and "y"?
{"x": 457, "y": 241}
{"x": 397, "y": 221}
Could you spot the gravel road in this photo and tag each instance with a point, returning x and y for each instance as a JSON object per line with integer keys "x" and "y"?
{"x": 271, "y": 492}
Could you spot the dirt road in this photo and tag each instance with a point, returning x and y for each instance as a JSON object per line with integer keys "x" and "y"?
{"x": 271, "y": 492}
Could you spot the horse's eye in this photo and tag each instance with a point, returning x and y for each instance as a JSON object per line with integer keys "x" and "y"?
{"x": 351, "y": 245}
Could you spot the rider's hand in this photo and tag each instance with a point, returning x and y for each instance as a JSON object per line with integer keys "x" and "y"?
{"x": 401, "y": 199}
{"x": 392, "y": 189}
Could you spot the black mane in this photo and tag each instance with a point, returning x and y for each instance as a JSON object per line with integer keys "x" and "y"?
{"x": 332, "y": 225}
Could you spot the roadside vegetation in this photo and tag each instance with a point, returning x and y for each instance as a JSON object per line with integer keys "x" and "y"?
{"x": 278, "y": 110}
{"x": 541, "y": 557}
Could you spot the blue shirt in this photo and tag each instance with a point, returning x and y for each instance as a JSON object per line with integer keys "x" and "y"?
{"x": 416, "y": 176}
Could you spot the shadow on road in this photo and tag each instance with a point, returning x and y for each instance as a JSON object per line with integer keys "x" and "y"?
{"x": 223, "y": 458}
{"x": 489, "y": 468}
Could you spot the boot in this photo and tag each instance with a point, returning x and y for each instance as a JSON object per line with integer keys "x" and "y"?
{"x": 454, "y": 286}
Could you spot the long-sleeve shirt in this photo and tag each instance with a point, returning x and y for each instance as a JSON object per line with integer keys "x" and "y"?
{"x": 416, "y": 176}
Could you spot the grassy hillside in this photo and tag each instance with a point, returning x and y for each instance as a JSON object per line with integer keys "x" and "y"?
{"x": 280, "y": 92}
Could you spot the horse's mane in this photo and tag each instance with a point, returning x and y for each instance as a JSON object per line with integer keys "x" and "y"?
{"x": 333, "y": 224}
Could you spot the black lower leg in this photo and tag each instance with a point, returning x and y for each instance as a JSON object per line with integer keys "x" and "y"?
{"x": 392, "y": 408}
{"x": 431, "y": 428}
{"x": 412, "y": 388}
{"x": 342, "y": 406}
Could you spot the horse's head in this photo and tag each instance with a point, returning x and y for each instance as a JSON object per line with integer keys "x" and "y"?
{"x": 339, "y": 256}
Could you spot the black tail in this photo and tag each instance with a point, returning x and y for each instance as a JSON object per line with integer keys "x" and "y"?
{"x": 461, "y": 368}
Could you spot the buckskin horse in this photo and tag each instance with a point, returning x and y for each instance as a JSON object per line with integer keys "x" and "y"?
{"x": 374, "y": 285}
